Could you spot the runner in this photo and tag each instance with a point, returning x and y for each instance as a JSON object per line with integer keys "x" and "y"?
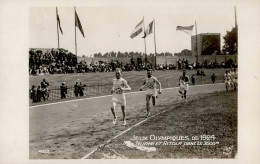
{"x": 184, "y": 84}
{"x": 150, "y": 84}
{"x": 118, "y": 97}
{"x": 227, "y": 78}
{"x": 234, "y": 76}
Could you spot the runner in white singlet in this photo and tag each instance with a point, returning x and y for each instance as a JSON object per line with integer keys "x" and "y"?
{"x": 118, "y": 97}
{"x": 227, "y": 78}
{"x": 234, "y": 77}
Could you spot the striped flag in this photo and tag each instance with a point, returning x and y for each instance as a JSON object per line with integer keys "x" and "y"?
{"x": 138, "y": 29}
{"x": 78, "y": 24}
{"x": 186, "y": 29}
{"x": 148, "y": 30}
{"x": 58, "y": 19}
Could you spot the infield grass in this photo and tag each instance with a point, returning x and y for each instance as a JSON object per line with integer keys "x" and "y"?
{"x": 211, "y": 114}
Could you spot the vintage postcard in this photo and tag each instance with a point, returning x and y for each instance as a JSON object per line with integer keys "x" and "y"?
{"x": 137, "y": 80}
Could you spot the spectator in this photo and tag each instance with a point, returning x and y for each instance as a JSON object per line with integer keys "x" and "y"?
{"x": 76, "y": 89}
{"x": 187, "y": 64}
{"x": 202, "y": 73}
{"x": 63, "y": 90}
{"x": 39, "y": 93}
{"x": 198, "y": 72}
{"x": 44, "y": 83}
{"x": 193, "y": 79}
{"x": 213, "y": 78}
{"x": 33, "y": 95}
{"x": 44, "y": 88}
{"x": 81, "y": 89}
{"x": 179, "y": 64}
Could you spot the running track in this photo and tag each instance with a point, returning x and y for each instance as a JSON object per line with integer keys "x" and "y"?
{"x": 47, "y": 118}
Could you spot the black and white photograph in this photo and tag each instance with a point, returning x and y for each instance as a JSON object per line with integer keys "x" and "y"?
{"x": 135, "y": 80}
{"x": 129, "y": 82}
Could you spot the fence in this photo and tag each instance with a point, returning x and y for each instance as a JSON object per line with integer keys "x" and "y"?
{"x": 92, "y": 90}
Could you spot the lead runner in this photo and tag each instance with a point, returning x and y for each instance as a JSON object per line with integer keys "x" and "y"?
{"x": 118, "y": 97}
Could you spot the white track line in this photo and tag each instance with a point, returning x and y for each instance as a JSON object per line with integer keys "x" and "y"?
{"x": 110, "y": 95}
{"x": 123, "y": 132}
{"x": 86, "y": 156}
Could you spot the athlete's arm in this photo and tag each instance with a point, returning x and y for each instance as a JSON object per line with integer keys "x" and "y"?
{"x": 160, "y": 87}
{"x": 113, "y": 88}
{"x": 188, "y": 82}
{"x": 143, "y": 85}
{"x": 127, "y": 87}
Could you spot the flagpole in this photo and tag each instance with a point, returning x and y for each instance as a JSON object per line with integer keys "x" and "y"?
{"x": 145, "y": 44}
{"x": 75, "y": 31}
{"x": 236, "y": 30}
{"x": 57, "y": 28}
{"x": 154, "y": 45}
{"x": 197, "y": 54}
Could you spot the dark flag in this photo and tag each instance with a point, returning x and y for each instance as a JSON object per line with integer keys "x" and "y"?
{"x": 58, "y": 19}
{"x": 78, "y": 24}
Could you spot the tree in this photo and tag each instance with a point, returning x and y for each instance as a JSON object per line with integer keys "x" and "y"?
{"x": 184, "y": 52}
{"x": 106, "y": 55}
{"x": 113, "y": 54}
{"x": 230, "y": 42}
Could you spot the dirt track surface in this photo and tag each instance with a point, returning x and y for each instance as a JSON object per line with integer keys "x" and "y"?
{"x": 73, "y": 129}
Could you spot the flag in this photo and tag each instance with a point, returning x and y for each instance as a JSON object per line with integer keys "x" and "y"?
{"x": 138, "y": 29}
{"x": 78, "y": 24}
{"x": 58, "y": 20}
{"x": 186, "y": 29}
{"x": 148, "y": 30}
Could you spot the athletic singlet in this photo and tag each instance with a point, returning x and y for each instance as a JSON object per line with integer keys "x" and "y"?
{"x": 150, "y": 84}
{"x": 118, "y": 84}
{"x": 227, "y": 76}
{"x": 185, "y": 80}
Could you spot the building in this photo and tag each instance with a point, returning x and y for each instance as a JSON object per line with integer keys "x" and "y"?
{"x": 207, "y": 44}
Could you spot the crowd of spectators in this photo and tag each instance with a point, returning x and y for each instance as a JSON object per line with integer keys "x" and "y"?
{"x": 79, "y": 89}
{"x": 59, "y": 61}
{"x": 83, "y": 67}
{"x": 41, "y": 92}
{"x": 62, "y": 61}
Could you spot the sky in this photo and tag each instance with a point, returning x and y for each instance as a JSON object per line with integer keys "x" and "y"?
{"x": 108, "y": 28}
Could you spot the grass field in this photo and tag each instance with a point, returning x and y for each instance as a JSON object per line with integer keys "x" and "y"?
{"x": 99, "y": 84}
{"x": 215, "y": 115}
{"x": 167, "y": 77}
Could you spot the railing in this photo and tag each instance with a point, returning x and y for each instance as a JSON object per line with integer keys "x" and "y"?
{"x": 92, "y": 90}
